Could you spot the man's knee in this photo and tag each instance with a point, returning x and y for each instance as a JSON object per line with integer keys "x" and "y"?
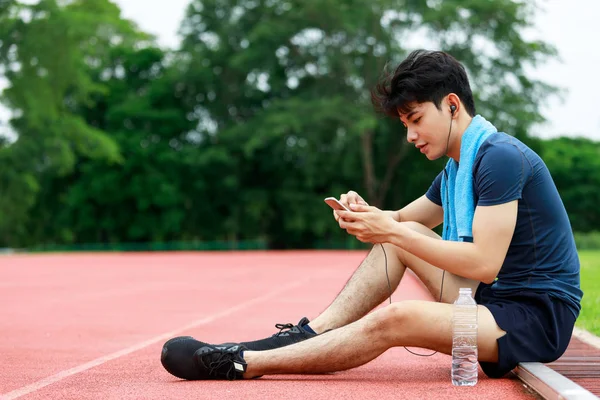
{"x": 389, "y": 321}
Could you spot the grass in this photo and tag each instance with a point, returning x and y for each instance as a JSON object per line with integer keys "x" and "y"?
{"x": 589, "y": 319}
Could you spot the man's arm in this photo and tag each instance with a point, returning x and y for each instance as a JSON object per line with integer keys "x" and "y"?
{"x": 423, "y": 211}
{"x": 493, "y": 228}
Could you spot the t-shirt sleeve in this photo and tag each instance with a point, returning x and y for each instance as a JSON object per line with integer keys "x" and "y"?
{"x": 501, "y": 175}
{"x": 434, "y": 192}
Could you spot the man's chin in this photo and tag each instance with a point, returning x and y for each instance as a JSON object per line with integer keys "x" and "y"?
{"x": 432, "y": 157}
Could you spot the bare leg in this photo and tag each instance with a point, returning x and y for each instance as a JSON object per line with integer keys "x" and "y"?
{"x": 409, "y": 323}
{"x": 365, "y": 290}
{"x": 367, "y": 287}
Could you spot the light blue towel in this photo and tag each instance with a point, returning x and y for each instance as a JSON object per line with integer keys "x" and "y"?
{"x": 458, "y": 213}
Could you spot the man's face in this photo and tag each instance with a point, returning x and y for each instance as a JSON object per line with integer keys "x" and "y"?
{"x": 427, "y": 128}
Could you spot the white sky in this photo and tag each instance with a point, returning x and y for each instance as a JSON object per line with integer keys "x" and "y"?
{"x": 573, "y": 27}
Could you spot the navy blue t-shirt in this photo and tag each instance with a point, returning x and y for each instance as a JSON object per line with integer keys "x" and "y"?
{"x": 542, "y": 255}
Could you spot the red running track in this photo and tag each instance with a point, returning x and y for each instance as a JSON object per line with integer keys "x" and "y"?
{"x": 91, "y": 326}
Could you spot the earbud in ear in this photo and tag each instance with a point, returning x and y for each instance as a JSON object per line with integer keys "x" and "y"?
{"x": 452, "y": 109}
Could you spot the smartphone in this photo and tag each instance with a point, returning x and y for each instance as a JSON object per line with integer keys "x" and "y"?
{"x": 335, "y": 204}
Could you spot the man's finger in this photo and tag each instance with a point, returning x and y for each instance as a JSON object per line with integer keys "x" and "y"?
{"x": 354, "y": 198}
{"x": 360, "y": 207}
{"x": 347, "y": 215}
{"x": 343, "y": 223}
{"x": 344, "y": 200}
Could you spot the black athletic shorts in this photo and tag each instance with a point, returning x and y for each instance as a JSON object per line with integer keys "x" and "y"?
{"x": 538, "y": 328}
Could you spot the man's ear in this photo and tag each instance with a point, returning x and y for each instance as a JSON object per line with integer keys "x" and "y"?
{"x": 453, "y": 103}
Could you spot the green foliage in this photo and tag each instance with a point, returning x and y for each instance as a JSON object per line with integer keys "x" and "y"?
{"x": 47, "y": 50}
{"x": 283, "y": 87}
{"x": 23, "y": 189}
{"x": 587, "y": 240}
{"x": 239, "y": 134}
{"x": 141, "y": 198}
{"x": 574, "y": 164}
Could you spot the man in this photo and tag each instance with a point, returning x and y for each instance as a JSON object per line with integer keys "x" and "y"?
{"x": 507, "y": 236}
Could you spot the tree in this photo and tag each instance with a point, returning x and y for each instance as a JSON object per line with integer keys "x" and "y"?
{"x": 283, "y": 87}
{"x": 574, "y": 164}
{"x": 140, "y": 199}
{"x": 239, "y": 134}
{"x": 46, "y": 51}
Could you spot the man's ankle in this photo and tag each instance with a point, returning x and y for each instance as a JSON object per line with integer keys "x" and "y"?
{"x": 316, "y": 327}
{"x": 249, "y": 357}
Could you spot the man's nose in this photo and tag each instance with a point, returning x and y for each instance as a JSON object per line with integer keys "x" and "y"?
{"x": 411, "y": 135}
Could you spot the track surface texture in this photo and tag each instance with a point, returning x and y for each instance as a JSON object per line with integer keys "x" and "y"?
{"x": 91, "y": 326}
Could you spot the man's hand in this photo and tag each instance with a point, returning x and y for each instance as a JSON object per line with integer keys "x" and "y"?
{"x": 350, "y": 198}
{"x": 368, "y": 224}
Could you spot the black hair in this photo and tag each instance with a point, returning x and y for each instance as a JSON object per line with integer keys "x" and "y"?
{"x": 423, "y": 76}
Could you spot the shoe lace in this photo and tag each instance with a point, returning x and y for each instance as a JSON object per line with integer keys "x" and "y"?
{"x": 223, "y": 359}
{"x": 283, "y": 327}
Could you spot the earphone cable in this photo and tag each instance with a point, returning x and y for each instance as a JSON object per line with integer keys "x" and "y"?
{"x": 443, "y": 271}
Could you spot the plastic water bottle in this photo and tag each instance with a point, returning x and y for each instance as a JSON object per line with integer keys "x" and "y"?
{"x": 464, "y": 340}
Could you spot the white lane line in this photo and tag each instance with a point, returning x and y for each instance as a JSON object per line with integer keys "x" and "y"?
{"x": 101, "y": 360}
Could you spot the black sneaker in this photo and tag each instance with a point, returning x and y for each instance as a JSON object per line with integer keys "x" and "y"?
{"x": 188, "y": 358}
{"x": 288, "y": 334}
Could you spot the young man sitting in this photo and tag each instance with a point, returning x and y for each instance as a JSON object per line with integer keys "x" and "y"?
{"x": 506, "y": 236}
